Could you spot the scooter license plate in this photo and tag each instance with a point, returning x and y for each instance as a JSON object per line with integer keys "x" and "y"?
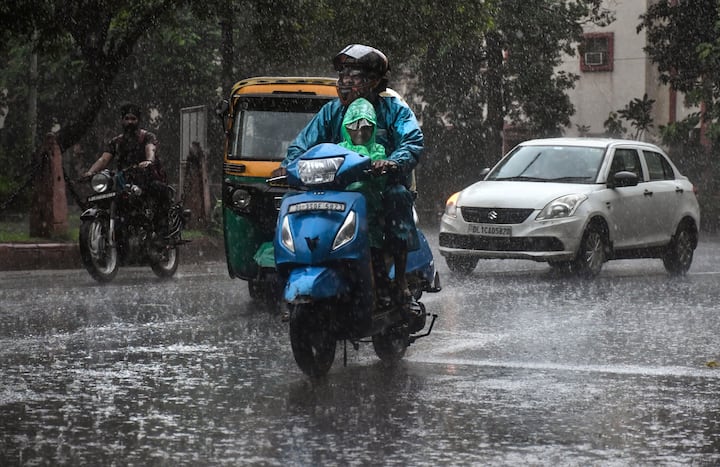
{"x": 316, "y": 206}
{"x": 490, "y": 230}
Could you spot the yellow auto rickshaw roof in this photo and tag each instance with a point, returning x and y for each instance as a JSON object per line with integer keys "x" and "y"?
{"x": 322, "y": 86}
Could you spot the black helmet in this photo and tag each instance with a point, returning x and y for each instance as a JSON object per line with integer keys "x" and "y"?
{"x": 362, "y": 57}
{"x": 368, "y": 67}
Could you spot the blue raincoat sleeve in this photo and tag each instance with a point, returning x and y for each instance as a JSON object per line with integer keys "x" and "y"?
{"x": 403, "y": 138}
{"x": 324, "y": 127}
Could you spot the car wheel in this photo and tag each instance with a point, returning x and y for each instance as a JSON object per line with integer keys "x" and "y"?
{"x": 461, "y": 264}
{"x": 591, "y": 254}
{"x": 679, "y": 255}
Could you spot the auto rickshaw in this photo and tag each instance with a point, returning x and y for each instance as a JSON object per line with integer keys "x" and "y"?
{"x": 261, "y": 118}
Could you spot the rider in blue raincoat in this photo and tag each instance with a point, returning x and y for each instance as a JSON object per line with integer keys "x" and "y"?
{"x": 362, "y": 72}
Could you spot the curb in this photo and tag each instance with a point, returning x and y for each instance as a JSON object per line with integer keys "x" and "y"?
{"x": 32, "y": 256}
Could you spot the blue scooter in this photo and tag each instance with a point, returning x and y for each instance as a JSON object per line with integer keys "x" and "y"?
{"x": 322, "y": 252}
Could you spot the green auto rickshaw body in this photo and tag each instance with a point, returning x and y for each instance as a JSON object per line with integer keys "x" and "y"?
{"x": 264, "y": 115}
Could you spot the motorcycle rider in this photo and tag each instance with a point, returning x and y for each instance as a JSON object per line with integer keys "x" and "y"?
{"x": 362, "y": 72}
{"x": 138, "y": 147}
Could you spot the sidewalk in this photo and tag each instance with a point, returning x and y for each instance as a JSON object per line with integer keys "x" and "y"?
{"x": 29, "y": 256}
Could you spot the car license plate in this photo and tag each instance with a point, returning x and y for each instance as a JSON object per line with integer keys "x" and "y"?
{"x": 490, "y": 230}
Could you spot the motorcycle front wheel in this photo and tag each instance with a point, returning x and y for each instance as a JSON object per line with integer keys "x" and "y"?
{"x": 313, "y": 345}
{"x": 167, "y": 263}
{"x": 98, "y": 257}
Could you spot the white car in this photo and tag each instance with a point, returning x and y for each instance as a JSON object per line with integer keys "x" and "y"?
{"x": 575, "y": 203}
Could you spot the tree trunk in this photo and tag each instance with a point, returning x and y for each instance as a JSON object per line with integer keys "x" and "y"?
{"x": 495, "y": 104}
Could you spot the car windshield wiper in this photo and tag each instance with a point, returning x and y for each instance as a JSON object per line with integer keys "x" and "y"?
{"x": 571, "y": 179}
{"x": 520, "y": 178}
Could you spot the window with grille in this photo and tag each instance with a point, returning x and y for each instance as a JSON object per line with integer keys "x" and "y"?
{"x": 596, "y": 52}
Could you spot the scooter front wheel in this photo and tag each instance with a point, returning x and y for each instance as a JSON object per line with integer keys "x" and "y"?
{"x": 313, "y": 345}
{"x": 391, "y": 343}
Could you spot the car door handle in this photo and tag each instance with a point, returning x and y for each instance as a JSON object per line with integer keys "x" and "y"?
{"x": 679, "y": 190}
{"x": 648, "y": 193}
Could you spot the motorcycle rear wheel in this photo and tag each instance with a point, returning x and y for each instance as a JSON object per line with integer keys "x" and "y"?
{"x": 98, "y": 257}
{"x": 168, "y": 266}
{"x": 313, "y": 345}
{"x": 390, "y": 344}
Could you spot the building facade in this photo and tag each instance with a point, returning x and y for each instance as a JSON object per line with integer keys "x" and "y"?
{"x": 614, "y": 70}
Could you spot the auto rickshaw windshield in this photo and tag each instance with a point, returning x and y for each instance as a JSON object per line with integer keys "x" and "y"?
{"x": 265, "y": 127}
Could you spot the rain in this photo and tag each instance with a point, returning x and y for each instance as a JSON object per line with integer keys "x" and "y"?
{"x": 524, "y": 364}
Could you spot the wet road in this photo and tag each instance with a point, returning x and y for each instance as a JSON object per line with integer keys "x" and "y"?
{"x": 523, "y": 368}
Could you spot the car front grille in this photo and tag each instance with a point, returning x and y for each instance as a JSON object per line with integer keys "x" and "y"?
{"x": 474, "y": 242}
{"x": 494, "y": 215}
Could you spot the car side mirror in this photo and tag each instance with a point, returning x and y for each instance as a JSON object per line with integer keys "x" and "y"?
{"x": 623, "y": 178}
{"x": 484, "y": 172}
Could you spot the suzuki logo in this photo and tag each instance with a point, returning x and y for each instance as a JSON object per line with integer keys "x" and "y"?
{"x": 493, "y": 215}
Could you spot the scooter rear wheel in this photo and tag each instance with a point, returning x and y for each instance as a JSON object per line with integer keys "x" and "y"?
{"x": 390, "y": 344}
{"x": 313, "y": 345}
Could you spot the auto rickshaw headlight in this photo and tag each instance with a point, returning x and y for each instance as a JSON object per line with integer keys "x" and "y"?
{"x": 241, "y": 199}
{"x": 101, "y": 182}
{"x": 346, "y": 232}
{"x": 286, "y": 235}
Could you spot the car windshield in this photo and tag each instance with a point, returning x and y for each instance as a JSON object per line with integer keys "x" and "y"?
{"x": 562, "y": 164}
{"x": 266, "y": 126}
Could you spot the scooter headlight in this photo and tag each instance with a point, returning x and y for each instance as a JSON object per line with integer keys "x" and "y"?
{"x": 319, "y": 171}
{"x": 286, "y": 235}
{"x": 346, "y": 232}
{"x": 101, "y": 182}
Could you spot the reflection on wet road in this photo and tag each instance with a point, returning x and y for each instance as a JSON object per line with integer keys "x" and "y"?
{"x": 523, "y": 368}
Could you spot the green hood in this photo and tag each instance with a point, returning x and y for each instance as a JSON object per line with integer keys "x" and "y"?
{"x": 359, "y": 108}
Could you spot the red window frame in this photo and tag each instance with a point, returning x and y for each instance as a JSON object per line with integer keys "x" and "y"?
{"x": 608, "y": 65}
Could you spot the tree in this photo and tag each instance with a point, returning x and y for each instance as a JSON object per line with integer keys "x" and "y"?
{"x": 683, "y": 42}
{"x": 495, "y": 71}
{"x": 639, "y": 113}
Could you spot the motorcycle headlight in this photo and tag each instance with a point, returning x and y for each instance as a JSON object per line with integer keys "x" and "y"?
{"x": 346, "y": 232}
{"x": 286, "y": 235}
{"x": 319, "y": 171}
{"x": 101, "y": 182}
{"x": 241, "y": 199}
{"x": 563, "y": 206}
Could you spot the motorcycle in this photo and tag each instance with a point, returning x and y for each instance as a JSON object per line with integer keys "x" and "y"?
{"x": 323, "y": 255}
{"x": 117, "y": 227}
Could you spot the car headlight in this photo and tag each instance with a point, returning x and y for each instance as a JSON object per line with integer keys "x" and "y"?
{"x": 286, "y": 235}
{"x": 241, "y": 199}
{"x": 346, "y": 232}
{"x": 563, "y": 206}
{"x": 451, "y": 205}
{"x": 101, "y": 182}
{"x": 319, "y": 171}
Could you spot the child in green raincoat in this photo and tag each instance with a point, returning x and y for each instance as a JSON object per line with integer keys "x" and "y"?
{"x": 358, "y": 130}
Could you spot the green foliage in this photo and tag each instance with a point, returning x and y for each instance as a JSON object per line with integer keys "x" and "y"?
{"x": 469, "y": 67}
{"x": 639, "y": 113}
{"x": 614, "y": 127}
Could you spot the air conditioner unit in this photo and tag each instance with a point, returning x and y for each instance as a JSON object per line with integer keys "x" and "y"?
{"x": 594, "y": 58}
